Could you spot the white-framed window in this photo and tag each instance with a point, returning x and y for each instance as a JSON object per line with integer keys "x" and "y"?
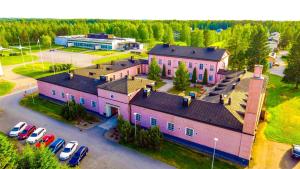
{"x": 211, "y": 68}
{"x": 200, "y": 77}
{"x": 138, "y": 117}
{"x": 62, "y": 95}
{"x": 201, "y": 66}
{"x": 189, "y": 132}
{"x": 53, "y": 92}
{"x": 153, "y": 121}
{"x": 93, "y": 104}
{"x": 211, "y": 78}
{"x": 81, "y": 100}
{"x": 171, "y": 126}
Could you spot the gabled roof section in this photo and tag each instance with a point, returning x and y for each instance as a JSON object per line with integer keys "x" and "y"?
{"x": 211, "y": 113}
{"x": 210, "y": 53}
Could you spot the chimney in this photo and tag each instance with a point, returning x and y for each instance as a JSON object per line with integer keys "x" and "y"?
{"x": 254, "y": 101}
{"x": 186, "y": 101}
{"x": 146, "y": 92}
{"x": 71, "y": 75}
{"x": 166, "y": 45}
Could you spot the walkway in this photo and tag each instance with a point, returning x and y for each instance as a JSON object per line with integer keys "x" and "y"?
{"x": 278, "y": 70}
{"x": 169, "y": 85}
{"x": 102, "y": 154}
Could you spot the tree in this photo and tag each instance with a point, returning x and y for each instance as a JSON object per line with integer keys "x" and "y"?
{"x": 154, "y": 70}
{"x": 185, "y": 34}
{"x": 209, "y": 37}
{"x": 72, "y": 111}
{"x": 164, "y": 74}
{"x": 194, "y": 76}
{"x": 181, "y": 80}
{"x": 286, "y": 38}
{"x": 292, "y": 71}
{"x": 46, "y": 40}
{"x": 158, "y": 31}
{"x": 258, "y": 50}
{"x": 204, "y": 80}
{"x": 168, "y": 35}
{"x": 8, "y": 153}
{"x": 197, "y": 38}
{"x": 143, "y": 33}
{"x": 155, "y": 137}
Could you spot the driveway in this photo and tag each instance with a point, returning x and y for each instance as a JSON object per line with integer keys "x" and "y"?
{"x": 103, "y": 153}
{"x": 278, "y": 70}
{"x": 75, "y": 58}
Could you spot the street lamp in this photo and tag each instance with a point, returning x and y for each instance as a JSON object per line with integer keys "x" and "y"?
{"x": 215, "y": 145}
{"x": 135, "y": 114}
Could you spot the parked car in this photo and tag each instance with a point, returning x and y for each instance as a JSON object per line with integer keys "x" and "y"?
{"x": 295, "y": 151}
{"x": 57, "y": 145}
{"x": 78, "y": 156}
{"x": 36, "y": 135}
{"x": 14, "y": 132}
{"x": 26, "y": 132}
{"x": 46, "y": 140}
{"x": 69, "y": 150}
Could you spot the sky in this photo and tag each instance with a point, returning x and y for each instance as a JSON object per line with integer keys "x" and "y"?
{"x": 153, "y": 9}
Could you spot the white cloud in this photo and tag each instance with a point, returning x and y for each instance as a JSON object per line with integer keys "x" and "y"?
{"x": 153, "y": 9}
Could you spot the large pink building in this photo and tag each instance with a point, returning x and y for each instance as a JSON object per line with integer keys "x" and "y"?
{"x": 194, "y": 123}
{"x": 212, "y": 59}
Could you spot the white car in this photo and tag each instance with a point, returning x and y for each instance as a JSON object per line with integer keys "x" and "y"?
{"x": 68, "y": 150}
{"x": 36, "y": 135}
{"x": 17, "y": 129}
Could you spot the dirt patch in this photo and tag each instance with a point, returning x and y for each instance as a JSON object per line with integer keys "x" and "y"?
{"x": 271, "y": 155}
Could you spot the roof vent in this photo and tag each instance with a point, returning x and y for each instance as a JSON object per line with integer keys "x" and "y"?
{"x": 192, "y": 94}
{"x": 221, "y": 99}
{"x": 71, "y": 76}
{"x": 166, "y": 45}
{"x": 186, "y": 101}
{"x": 123, "y": 64}
{"x": 146, "y": 92}
{"x": 194, "y": 51}
{"x": 173, "y": 49}
{"x": 211, "y": 48}
{"x": 229, "y": 101}
{"x": 103, "y": 78}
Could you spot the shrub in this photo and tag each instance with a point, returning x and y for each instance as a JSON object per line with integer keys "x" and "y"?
{"x": 59, "y": 67}
{"x": 72, "y": 111}
{"x": 8, "y": 154}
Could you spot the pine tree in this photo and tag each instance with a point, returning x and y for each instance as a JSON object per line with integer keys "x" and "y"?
{"x": 258, "y": 50}
{"x": 164, "y": 74}
{"x": 204, "y": 80}
{"x": 181, "y": 80}
{"x": 292, "y": 72}
{"x": 154, "y": 70}
{"x": 194, "y": 76}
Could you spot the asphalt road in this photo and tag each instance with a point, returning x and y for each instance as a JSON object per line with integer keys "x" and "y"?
{"x": 278, "y": 70}
{"x": 103, "y": 153}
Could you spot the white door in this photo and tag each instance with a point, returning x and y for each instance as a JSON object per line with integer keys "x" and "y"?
{"x": 107, "y": 110}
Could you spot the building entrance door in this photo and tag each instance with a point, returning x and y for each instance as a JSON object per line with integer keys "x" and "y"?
{"x": 111, "y": 110}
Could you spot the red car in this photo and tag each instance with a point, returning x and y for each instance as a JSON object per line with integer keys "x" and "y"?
{"x": 26, "y": 132}
{"x": 46, "y": 140}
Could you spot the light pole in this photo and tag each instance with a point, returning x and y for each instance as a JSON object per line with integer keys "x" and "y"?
{"x": 215, "y": 145}
{"x": 135, "y": 114}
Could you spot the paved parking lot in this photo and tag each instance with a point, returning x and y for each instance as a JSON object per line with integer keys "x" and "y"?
{"x": 102, "y": 154}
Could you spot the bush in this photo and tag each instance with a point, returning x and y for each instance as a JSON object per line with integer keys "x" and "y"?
{"x": 8, "y": 153}
{"x": 71, "y": 111}
{"x": 59, "y": 67}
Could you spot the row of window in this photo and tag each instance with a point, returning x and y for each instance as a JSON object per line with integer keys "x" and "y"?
{"x": 190, "y": 65}
{"x": 200, "y": 77}
{"x": 81, "y": 100}
{"x": 170, "y": 125}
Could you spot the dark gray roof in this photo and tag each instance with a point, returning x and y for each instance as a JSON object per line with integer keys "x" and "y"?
{"x": 212, "y": 54}
{"x": 81, "y": 83}
{"x": 211, "y": 113}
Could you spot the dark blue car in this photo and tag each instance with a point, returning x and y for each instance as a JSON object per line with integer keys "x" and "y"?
{"x": 57, "y": 145}
{"x": 78, "y": 156}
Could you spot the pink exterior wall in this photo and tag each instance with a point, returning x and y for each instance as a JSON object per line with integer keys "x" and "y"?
{"x": 132, "y": 71}
{"x": 232, "y": 142}
{"x": 163, "y": 60}
{"x": 116, "y": 99}
{"x": 46, "y": 89}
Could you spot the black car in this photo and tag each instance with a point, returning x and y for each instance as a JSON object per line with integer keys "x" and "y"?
{"x": 295, "y": 151}
{"x": 78, "y": 156}
{"x": 57, "y": 145}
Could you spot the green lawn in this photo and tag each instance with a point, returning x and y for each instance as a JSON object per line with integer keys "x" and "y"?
{"x": 35, "y": 70}
{"x": 13, "y": 60}
{"x": 186, "y": 92}
{"x": 283, "y": 107}
{"x": 44, "y": 106}
{"x": 159, "y": 84}
{"x": 6, "y": 87}
{"x": 119, "y": 57}
{"x": 184, "y": 158}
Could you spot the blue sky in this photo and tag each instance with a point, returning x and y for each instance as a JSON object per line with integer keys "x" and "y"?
{"x": 153, "y": 9}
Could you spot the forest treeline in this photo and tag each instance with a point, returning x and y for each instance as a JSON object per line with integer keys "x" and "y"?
{"x": 245, "y": 40}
